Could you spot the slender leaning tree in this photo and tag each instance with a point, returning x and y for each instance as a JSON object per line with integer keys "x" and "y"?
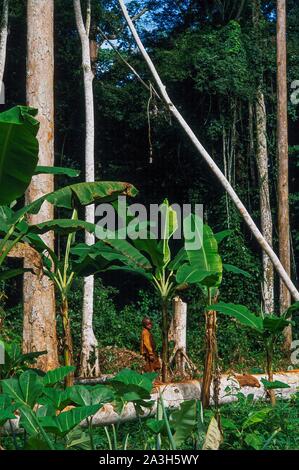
{"x": 89, "y": 363}
{"x": 39, "y": 328}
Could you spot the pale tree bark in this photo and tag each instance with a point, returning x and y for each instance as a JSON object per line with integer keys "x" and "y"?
{"x": 178, "y": 334}
{"x": 263, "y": 174}
{"x": 209, "y": 160}
{"x": 264, "y": 193}
{"x": 283, "y": 161}
{"x": 3, "y": 38}
{"x": 89, "y": 363}
{"x": 39, "y": 329}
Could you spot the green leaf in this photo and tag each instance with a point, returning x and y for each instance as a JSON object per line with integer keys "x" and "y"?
{"x": 57, "y": 375}
{"x": 256, "y": 417}
{"x": 192, "y": 275}
{"x": 84, "y": 396}
{"x": 241, "y": 313}
{"x": 35, "y": 443}
{"x": 202, "y": 250}
{"x": 57, "y": 170}
{"x": 64, "y": 422}
{"x": 127, "y": 253}
{"x": 58, "y": 398}
{"x": 233, "y": 269}
{"x": 131, "y": 377}
{"x": 25, "y": 390}
{"x": 183, "y": 421}
{"x": 151, "y": 248}
{"x": 220, "y": 236}
{"x": 29, "y": 421}
{"x": 254, "y": 440}
{"x": 275, "y": 384}
{"x": 11, "y": 273}
{"x": 275, "y": 324}
{"x": 157, "y": 426}
{"x": 79, "y": 194}
{"x": 18, "y": 151}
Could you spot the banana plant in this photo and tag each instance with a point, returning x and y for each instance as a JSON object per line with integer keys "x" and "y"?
{"x": 268, "y": 329}
{"x": 61, "y": 270}
{"x": 149, "y": 258}
{"x": 203, "y": 266}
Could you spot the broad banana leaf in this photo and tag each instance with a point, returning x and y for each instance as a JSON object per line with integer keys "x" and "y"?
{"x": 18, "y": 151}
{"x": 233, "y": 269}
{"x": 79, "y": 194}
{"x": 205, "y": 265}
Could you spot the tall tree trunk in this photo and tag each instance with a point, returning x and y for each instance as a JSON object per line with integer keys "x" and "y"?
{"x": 3, "y": 38}
{"x": 39, "y": 329}
{"x": 89, "y": 364}
{"x": 265, "y": 208}
{"x": 210, "y": 354}
{"x": 67, "y": 341}
{"x": 210, "y": 162}
{"x": 263, "y": 174}
{"x": 283, "y": 162}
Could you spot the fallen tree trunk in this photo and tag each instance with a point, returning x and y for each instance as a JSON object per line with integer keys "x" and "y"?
{"x": 176, "y": 393}
{"x": 209, "y": 160}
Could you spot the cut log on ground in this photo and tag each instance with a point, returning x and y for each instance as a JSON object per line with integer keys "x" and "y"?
{"x": 176, "y": 393}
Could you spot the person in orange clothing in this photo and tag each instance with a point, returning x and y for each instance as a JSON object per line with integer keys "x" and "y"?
{"x": 147, "y": 347}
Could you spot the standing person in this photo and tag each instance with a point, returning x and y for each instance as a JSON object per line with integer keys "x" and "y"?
{"x": 147, "y": 347}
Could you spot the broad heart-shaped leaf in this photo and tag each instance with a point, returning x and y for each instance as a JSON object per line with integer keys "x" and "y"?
{"x": 256, "y": 417}
{"x": 202, "y": 250}
{"x": 56, "y": 170}
{"x": 25, "y": 390}
{"x": 29, "y": 421}
{"x": 131, "y": 377}
{"x": 131, "y": 386}
{"x": 64, "y": 422}
{"x": 241, "y": 313}
{"x": 84, "y": 194}
{"x": 83, "y": 395}
{"x": 57, "y": 375}
{"x": 18, "y": 151}
{"x": 183, "y": 421}
{"x": 275, "y": 384}
{"x": 6, "y": 409}
{"x": 11, "y": 273}
{"x": 275, "y": 324}
{"x": 58, "y": 398}
{"x": 233, "y": 269}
